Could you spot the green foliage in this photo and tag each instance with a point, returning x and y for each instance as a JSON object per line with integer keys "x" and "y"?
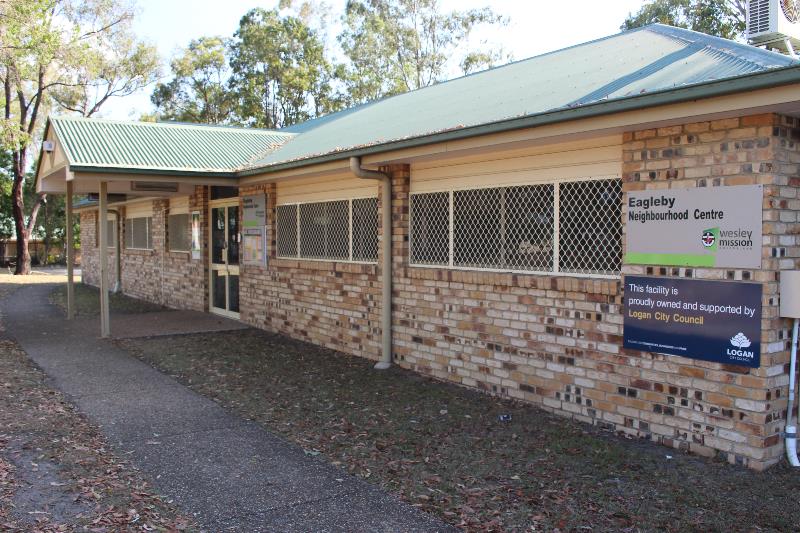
{"x": 396, "y": 46}
{"x": 60, "y": 54}
{"x": 198, "y": 89}
{"x": 723, "y": 18}
{"x": 280, "y": 74}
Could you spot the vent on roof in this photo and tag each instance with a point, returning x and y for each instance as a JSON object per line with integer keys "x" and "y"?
{"x": 775, "y": 24}
{"x": 154, "y": 186}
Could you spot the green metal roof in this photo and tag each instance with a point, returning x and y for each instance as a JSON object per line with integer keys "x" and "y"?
{"x": 646, "y": 60}
{"x": 649, "y": 66}
{"x": 159, "y": 146}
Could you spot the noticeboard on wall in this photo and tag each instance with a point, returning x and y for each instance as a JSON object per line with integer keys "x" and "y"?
{"x": 716, "y": 321}
{"x": 700, "y": 227}
{"x": 254, "y": 211}
{"x": 254, "y": 229}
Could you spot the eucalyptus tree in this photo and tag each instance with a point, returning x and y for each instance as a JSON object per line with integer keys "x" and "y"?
{"x": 198, "y": 90}
{"x": 280, "y": 72}
{"x": 60, "y": 54}
{"x": 723, "y": 18}
{"x": 394, "y": 46}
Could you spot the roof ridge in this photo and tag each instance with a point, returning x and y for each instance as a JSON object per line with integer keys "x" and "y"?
{"x": 171, "y": 124}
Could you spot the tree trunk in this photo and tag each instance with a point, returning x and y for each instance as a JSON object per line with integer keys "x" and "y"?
{"x": 23, "y": 255}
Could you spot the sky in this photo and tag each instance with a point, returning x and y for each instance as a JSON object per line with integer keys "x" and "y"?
{"x": 536, "y": 27}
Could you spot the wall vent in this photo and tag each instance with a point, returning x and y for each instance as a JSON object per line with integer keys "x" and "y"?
{"x": 154, "y": 186}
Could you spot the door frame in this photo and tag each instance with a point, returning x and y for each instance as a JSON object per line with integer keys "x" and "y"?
{"x": 224, "y": 202}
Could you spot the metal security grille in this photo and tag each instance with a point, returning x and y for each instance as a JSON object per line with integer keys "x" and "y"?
{"x": 507, "y": 227}
{"x": 343, "y": 230}
{"x": 365, "y": 229}
{"x": 590, "y": 226}
{"x": 287, "y": 231}
{"x": 571, "y": 227}
{"x": 324, "y": 230}
{"x": 430, "y": 228}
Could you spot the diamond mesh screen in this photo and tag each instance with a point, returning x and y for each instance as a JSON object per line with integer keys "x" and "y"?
{"x": 430, "y": 228}
{"x": 286, "y": 228}
{"x": 590, "y": 220}
{"x": 365, "y": 229}
{"x": 514, "y": 228}
{"x": 324, "y": 232}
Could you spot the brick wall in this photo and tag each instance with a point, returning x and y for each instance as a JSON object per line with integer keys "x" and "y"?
{"x": 329, "y": 303}
{"x": 556, "y": 341}
{"x": 158, "y": 275}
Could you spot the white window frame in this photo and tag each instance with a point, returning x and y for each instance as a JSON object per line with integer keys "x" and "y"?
{"x": 350, "y": 259}
{"x": 556, "y": 230}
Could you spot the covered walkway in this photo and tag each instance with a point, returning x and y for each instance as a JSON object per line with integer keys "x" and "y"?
{"x": 230, "y": 474}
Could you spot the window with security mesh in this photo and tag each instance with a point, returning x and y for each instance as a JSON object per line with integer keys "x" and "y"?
{"x": 365, "y": 229}
{"x": 138, "y": 234}
{"x": 590, "y": 222}
{"x": 286, "y": 231}
{"x": 324, "y": 230}
{"x": 521, "y": 228}
{"x": 180, "y": 232}
{"x": 430, "y": 228}
{"x": 507, "y": 227}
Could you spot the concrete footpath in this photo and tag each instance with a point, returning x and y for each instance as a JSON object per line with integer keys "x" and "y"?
{"x": 230, "y": 474}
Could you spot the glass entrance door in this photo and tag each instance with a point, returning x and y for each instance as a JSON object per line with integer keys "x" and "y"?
{"x": 224, "y": 271}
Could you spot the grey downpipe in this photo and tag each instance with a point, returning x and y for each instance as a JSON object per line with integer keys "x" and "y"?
{"x": 118, "y": 237}
{"x": 386, "y": 268}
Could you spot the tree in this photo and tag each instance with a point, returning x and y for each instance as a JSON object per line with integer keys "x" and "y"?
{"x": 394, "y": 46}
{"x": 280, "y": 75}
{"x": 198, "y": 91}
{"x": 73, "y": 54}
{"x": 723, "y": 18}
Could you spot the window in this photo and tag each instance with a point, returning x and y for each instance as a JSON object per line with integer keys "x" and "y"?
{"x": 365, "y": 229}
{"x": 138, "y": 233}
{"x": 343, "y": 230}
{"x": 573, "y": 227}
{"x": 324, "y": 230}
{"x": 287, "y": 231}
{"x": 180, "y": 232}
{"x": 111, "y": 233}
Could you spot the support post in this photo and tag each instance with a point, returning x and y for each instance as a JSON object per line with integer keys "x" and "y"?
{"x": 102, "y": 235}
{"x": 70, "y": 249}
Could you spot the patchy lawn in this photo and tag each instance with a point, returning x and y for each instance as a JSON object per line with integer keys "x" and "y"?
{"x": 87, "y": 301}
{"x": 57, "y": 472}
{"x": 445, "y": 449}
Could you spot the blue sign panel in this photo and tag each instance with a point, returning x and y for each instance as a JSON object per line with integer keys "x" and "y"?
{"x": 710, "y": 320}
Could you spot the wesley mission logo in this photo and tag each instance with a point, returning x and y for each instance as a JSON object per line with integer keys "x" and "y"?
{"x": 709, "y": 237}
{"x": 740, "y": 342}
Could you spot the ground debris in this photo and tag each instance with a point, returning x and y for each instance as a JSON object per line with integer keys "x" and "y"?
{"x": 446, "y": 450}
{"x": 57, "y": 472}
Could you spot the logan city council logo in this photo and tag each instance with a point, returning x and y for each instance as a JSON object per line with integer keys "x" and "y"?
{"x": 740, "y": 342}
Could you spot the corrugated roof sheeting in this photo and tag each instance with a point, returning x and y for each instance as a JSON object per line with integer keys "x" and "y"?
{"x": 162, "y": 146}
{"x": 650, "y": 59}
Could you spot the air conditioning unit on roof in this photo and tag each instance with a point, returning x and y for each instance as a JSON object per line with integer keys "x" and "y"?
{"x": 775, "y": 24}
